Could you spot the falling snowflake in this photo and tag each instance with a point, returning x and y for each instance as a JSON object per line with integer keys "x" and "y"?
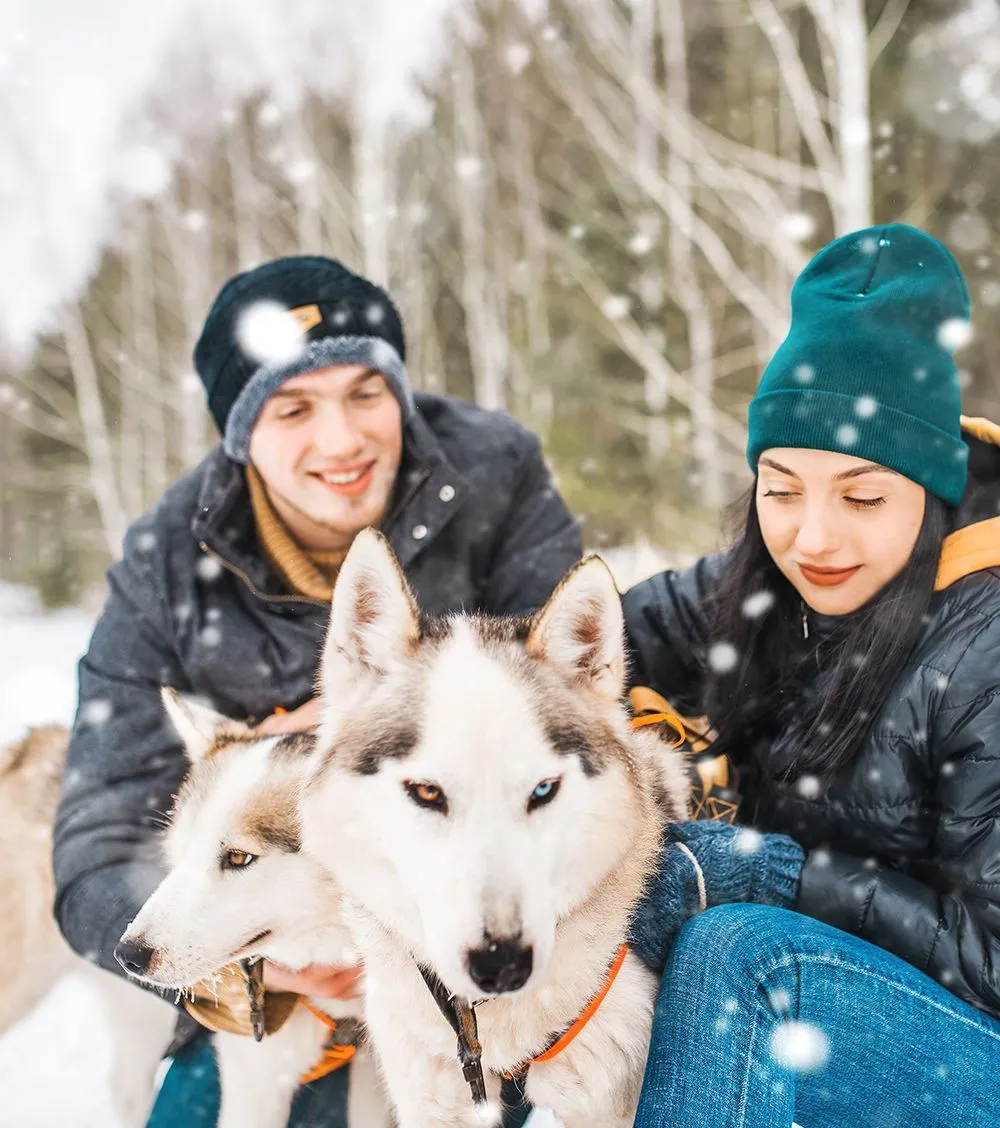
{"x": 868, "y": 245}
{"x": 616, "y": 307}
{"x": 805, "y": 374}
{"x": 970, "y": 232}
{"x": 209, "y": 568}
{"x": 145, "y": 542}
{"x": 865, "y": 407}
{"x": 518, "y": 56}
{"x": 954, "y": 333}
{"x": 96, "y": 713}
{"x": 800, "y": 1046}
{"x": 384, "y": 356}
{"x": 195, "y": 220}
{"x": 576, "y": 231}
{"x": 641, "y": 243}
{"x": 747, "y": 841}
{"x": 144, "y": 171}
{"x": 210, "y": 636}
{"x": 191, "y": 382}
{"x": 468, "y": 167}
{"x": 847, "y": 435}
{"x": 808, "y": 786}
{"x": 269, "y": 114}
{"x": 990, "y": 293}
{"x": 723, "y": 657}
{"x": 758, "y": 604}
{"x": 269, "y": 333}
{"x": 798, "y": 226}
{"x": 375, "y": 313}
{"x": 300, "y": 171}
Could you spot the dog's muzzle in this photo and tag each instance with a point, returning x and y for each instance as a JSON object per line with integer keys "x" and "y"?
{"x": 500, "y": 966}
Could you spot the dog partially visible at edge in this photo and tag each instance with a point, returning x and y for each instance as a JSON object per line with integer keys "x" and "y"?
{"x": 480, "y": 798}
{"x": 34, "y": 955}
{"x": 238, "y": 886}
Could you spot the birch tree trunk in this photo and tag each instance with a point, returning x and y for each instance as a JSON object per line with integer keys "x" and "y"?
{"x": 95, "y": 431}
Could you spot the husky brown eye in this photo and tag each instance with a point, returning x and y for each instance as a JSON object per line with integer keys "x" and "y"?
{"x": 237, "y": 859}
{"x": 544, "y": 793}
{"x": 428, "y": 795}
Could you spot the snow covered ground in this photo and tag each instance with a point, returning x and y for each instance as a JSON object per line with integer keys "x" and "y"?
{"x": 53, "y": 1065}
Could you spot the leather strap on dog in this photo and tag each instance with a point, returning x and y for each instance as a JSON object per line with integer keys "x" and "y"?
{"x": 461, "y": 1016}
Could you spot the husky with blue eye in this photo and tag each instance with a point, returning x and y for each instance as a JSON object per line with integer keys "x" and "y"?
{"x": 491, "y": 818}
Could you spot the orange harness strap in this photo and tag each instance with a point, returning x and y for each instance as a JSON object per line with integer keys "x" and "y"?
{"x": 588, "y": 1013}
{"x": 334, "y": 1056}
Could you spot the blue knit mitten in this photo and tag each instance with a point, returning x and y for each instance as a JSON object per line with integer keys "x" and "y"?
{"x": 703, "y": 864}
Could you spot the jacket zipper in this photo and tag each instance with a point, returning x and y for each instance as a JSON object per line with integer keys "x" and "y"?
{"x": 805, "y": 621}
{"x": 253, "y": 588}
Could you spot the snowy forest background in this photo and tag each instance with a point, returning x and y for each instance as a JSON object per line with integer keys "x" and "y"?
{"x": 590, "y": 212}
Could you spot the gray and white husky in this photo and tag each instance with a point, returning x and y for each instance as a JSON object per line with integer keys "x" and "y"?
{"x": 490, "y": 816}
{"x": 239, "y": 886}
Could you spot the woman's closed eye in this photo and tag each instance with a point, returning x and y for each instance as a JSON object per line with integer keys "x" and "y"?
{"x": 865, "y": 502}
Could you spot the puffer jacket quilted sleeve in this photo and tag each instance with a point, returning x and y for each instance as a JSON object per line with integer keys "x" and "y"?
{"x": 949, "y": 926}
{"x": 666, "y": 623}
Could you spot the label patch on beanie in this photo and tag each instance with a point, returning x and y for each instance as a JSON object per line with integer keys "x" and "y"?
{"x": 307, "y": 316}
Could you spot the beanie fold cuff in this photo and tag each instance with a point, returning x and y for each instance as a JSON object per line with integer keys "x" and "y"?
{"x": 373, "y": 352}
{"x": 816, "y": 419}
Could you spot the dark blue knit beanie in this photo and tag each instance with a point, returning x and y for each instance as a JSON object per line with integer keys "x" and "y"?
{"x": 866, "y": 368}
{"x": 321, "y": 314}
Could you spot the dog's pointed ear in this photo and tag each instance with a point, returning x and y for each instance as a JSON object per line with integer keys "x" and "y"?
{"x": 581, "y": 630}
{"x": 199, "y": 727}
{"x": 373, "y": 615}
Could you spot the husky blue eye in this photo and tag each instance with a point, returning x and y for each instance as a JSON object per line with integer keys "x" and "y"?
{"x": 544, "y": 793}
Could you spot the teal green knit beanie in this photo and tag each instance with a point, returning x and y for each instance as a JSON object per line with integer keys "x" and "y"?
{"x": 866, "y": 368}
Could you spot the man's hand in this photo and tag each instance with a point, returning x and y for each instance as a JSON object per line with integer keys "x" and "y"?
{"x": 304, "y": 717}
{"x": 318, "y": 979}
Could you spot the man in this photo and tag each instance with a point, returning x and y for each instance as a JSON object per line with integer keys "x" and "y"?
{"x": 223, "y": 588}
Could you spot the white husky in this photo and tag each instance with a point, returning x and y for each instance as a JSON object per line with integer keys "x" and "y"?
{"x": 496, "y": 819}
{"x": 238, "y": 886}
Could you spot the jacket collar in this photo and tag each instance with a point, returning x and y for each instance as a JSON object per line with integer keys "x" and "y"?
{"x": 976, "y": 546}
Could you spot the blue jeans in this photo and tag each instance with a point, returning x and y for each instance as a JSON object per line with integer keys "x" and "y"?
{"x": 190, "y": 1096}
{"x": 881, "y": 1045}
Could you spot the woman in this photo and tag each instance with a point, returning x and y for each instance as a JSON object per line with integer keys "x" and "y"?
{"x": 847, "y": 653}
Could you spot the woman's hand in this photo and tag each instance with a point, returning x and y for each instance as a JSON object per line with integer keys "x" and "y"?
{"x": 298, "y": 720}
{"x": 323, "y": 980}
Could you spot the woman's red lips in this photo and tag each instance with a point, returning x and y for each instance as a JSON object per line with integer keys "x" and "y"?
{"x": 827, "y": 577}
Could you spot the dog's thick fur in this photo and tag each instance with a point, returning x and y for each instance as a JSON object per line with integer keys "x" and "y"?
{"x": 33, "y": 954}
{"x": 436, "y": 738}
{"x": 241, "y": 793}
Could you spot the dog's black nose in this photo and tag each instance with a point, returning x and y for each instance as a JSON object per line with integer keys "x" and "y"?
{"x": 500, "y": 965}
{"x": 134, "y": 957}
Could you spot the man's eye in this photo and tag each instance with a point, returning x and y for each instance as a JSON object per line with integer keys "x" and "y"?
{"x": 291, "y": 412}
{"x": 237, "y": 859}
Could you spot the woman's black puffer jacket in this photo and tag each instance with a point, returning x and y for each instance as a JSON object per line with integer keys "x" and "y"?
{"x": 902, "y": 848}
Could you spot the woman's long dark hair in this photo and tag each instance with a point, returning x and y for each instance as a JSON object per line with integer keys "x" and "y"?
{"x": 765, "y": 677}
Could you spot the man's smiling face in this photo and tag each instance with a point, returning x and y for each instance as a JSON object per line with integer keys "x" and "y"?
{"x": 328, "y": 445}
